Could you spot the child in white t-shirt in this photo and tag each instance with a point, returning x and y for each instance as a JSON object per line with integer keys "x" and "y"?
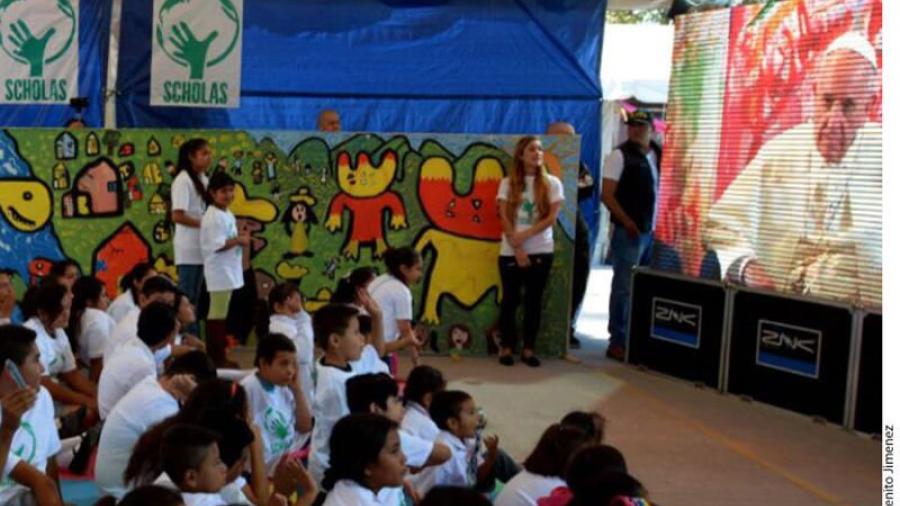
{"x": 89, "y": 325}
{"x": 130, "y": 290}
{"x": 392, "y": 294}
{"x": 545, "y": 467}
{"x": 352, "y": 290}
{"x": 141, "y": 357}
{"x": 455, "y": 414}
{"x": 378, "y": 394}
{"x": 155, "y": 289}
{"x": 48, "y": 311}
{"x": 336, "y": 329}
{"x": 149, "y": 402}
{"x": 366, "y": 459}
{"x": 192, "y": 463}
{"x": 275, "y": 398}
{"x": 29, "y": 473}
{"x": 188, "y": 205}
{"x": 289, "y": 319}
{"x": 422, "y": 383}
{"x": 223, "y": 250}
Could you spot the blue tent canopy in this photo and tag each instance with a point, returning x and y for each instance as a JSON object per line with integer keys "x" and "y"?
{"x": 468, "y": 66}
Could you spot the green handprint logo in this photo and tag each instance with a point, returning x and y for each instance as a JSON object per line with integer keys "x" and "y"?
{"x": 191, "y": 50}
{"x": 30, "y": 48}
{"x": 179, "y": 40}
{"x": 19, "y": 41}
{"x": 277, "y": 425}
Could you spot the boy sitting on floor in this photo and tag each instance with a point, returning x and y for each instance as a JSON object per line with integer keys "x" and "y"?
{"x": 30, "y": 473}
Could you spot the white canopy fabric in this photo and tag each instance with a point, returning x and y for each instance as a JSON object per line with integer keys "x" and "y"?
{"x": 637, "y": 62}
{"x": 630, "y": 5}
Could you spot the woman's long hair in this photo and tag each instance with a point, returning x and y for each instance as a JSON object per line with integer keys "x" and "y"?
{"x": 217, "y": 397}
{"x": 517, "y": 184}
{"x": 184, "y": 164}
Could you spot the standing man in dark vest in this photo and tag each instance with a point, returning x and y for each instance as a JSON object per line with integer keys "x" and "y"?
{"x": 630, "y": 185}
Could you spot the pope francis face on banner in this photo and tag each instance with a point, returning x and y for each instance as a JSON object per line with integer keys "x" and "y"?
{"x": 804, "y": 216}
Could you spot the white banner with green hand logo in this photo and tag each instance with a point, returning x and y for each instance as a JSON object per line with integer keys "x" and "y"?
{"x": 196, "y": 60}
{"x": 39, "y": 57}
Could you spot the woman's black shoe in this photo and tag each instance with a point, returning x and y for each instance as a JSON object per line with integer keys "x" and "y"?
{"x": 507, "y": 360}
{"x": 531, "y": 361}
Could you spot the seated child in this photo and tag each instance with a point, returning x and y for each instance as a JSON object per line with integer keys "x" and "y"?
{"x": 545, "y": 467}
{"x": 149, "y": 402}
{"x": 422, "y": 383}
{"x": 155, "y": 289}
{"x": 378, "y": 394}
{"x": 130, "y": 287}
{"x": 30, "y": 473}
{"x": 89, "y": 325}
{"x": 590, "y": 422}
{"x": 140, "y": 357}
{"x": 352, "y": 290}
{"x": 289, "y": 318}
{"x": 276, "y": 400}
{"x": 65, "y": 272}
{"x": 224, "y": 397}
{"x": 454, "y": 413}
{"x": 336, "y": 329}
{"x": 587, "y": 465}
{"x": 191, "y": 462}
{"x": 237, "y": 442}
{"x": 392, "y": 293}
{"x": 47, "y": 308}
{"x": 365, "y": 458}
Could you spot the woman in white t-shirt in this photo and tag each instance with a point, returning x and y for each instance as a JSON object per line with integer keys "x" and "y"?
{"x": 89, "y": 325}
{"x": 529, "y": 200}
{"x": 130, "y": 286}
{"x": 544, "y": 468}
{"x": 392, "y": 294}
{"x": 189, "y": 201}
{"x": 223, "y": 251}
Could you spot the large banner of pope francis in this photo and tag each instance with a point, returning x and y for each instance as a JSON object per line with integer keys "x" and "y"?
{"x": 771, "y": 176}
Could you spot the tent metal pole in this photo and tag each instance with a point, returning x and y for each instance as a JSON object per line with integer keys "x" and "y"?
{"x": 112, "y": 66}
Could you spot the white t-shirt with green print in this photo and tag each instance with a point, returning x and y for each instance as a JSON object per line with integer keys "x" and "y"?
{"x": 273, "y": 410}
{"x": 528, "y": 215}
{"x": 34, "y": 443}
{"x": 56, "y": 352}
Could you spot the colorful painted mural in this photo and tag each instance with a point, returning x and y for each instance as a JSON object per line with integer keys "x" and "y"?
{"x": 317, "y": 206}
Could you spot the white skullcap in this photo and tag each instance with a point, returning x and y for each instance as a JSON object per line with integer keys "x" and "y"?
{"x": 856, "y": 42}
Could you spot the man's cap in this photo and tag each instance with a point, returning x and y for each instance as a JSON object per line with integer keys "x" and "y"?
{"x": 640, "y": 116}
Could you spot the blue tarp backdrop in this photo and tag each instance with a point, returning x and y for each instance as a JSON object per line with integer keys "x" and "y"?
{"x": 473, "y": 66}
{"x": 468, "y": 66}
